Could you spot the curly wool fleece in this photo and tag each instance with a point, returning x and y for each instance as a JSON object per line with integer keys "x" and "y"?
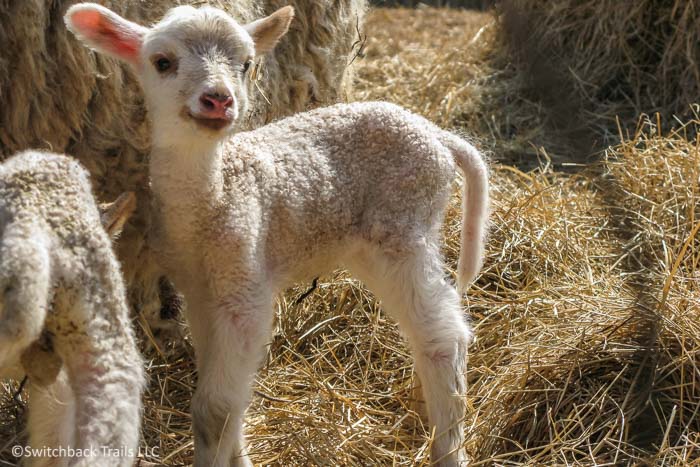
{"x": 60, "y": 278}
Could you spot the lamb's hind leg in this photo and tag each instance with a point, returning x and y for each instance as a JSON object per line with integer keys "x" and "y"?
{"x": 230, "y": 338}
{"x": 24, "y": 289}
{"x": 104, "y": 370}
{"x": 413, "y": 289}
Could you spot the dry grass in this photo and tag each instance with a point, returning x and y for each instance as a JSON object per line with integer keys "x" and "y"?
{"x": 589, "y": 61}
{"x": 592, "y": 333}
{"x": 587, "y": 313}
{"x": 448, "y": 66}
{"x": 432, "y": 70}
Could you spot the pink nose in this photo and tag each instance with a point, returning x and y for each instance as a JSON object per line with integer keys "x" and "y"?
{"x": 215, "y": 103}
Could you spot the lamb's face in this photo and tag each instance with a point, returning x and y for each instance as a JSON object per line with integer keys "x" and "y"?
{"x": 195, "y": 72}
{"x": 192, "y": 65}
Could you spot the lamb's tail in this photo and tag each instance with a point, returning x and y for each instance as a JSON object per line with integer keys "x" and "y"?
{"x": 24, "y": 291}
{"x": 475, "y": 207}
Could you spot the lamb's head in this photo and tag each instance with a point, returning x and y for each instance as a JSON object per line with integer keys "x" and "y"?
{"x": 192, "y": 65}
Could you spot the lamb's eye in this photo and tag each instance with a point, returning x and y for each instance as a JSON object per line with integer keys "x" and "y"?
{"x": 246, "y": 65}
{"x": 163, "y": 64}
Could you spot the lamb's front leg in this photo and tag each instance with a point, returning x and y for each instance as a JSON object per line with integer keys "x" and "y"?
{"x": 230, "y": 335}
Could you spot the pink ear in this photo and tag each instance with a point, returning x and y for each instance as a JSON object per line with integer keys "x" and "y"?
{"x": 106, "y": 31}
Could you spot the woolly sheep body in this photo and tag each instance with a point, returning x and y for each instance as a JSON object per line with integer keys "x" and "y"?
{"x": 60, "y": 278}
{"x": 321, "y": 181}
{"x": 362, "y": 186}
{"x": 58, "y": 96}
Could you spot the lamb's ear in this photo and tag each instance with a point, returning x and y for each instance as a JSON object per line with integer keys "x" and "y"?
{"x": 267, "y": 31}
{"x": 115, "y": 214}
{"x": 106, "y": 31}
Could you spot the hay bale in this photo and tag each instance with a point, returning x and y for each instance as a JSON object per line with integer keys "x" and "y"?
{"x": 57, "y": 95}
{"x": 430, "y": 71}
{"x": 475, "y": 4}
{"x": 590, "y": 61}
{"x": 446, "y": 65}
{"x": 652, "y": 181}
{"x": 588, "y": 337}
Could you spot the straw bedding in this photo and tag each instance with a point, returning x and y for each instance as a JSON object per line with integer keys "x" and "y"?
{"x": 589, "y": 335}
{"x": 587, "y": 314}
{"x": 588, "y": 61}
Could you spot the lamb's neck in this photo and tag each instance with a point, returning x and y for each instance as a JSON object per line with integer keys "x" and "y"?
{"x": 190, "y": 172}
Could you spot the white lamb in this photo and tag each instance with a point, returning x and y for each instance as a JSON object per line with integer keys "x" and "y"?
{"x": 242, "y": 217}
{"x": 63, "y": 315}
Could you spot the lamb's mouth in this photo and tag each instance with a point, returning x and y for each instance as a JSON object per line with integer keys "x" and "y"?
{"x": 215, "y": 124}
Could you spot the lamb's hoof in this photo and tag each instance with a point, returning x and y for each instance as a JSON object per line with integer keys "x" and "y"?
{"x": 458, "y": 459}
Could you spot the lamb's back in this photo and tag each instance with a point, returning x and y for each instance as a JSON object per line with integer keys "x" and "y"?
{"x": 332, "y": 175}
{"x": 50, "y": 188}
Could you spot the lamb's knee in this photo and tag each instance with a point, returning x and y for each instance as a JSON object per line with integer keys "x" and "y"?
{"x": 444, "y": 358}
{"x": 445, "y": 337}
{"x": 449, "y": 350}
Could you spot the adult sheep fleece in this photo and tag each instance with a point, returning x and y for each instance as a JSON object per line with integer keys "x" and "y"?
{"x": 59, "y": 96}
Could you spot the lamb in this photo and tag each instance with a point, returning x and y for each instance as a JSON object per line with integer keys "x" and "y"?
{"x": 39, "y": 361}
{"x": 242, "y": 217}
{"x": 63, "y": 313}
{"x": 58, "y": 96}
